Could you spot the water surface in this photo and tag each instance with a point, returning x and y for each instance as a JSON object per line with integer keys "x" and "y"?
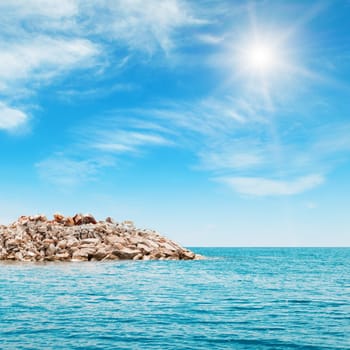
{"x": 239, "y": 298}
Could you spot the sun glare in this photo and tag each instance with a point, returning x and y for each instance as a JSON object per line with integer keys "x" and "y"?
{"x": 260, "y": 58}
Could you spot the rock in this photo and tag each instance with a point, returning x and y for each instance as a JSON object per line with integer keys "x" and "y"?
{"x": 83, "y": 254}
{"x": 82, "y": 238}
{"x": 58, "y": 217}
{"x": 126, "y": 253}
{"x": 137, "y": 257}
{"x": 101, "y": 254}
{"x": 114, "y": 239}
{"x": 78, "y": 219}
{"x": 144, "y": 248}
{"x": 51, "y": 249}
{"x": 187, "y": 255}
{"x": 69, "y": 221}
{"x": 89, "y": 219}
{"x": 42, "y": 218}
{"x": 109, "y": 220}
{"x": 63, "y": 256}
{"x": 128, "y": 223}
{"x": 62, "y": 244}
{"x": 72, "y": 242}
{"x": 168, "y": 246}
{"x": 89, "y": 241}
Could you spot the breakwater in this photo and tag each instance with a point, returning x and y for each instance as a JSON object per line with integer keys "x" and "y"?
{"x": 83, "y": 238}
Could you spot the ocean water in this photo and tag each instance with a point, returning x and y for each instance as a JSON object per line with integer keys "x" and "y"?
{"x": 239, "y": 298}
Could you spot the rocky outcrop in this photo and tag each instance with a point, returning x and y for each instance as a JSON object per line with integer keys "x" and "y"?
{"x": 82, "y": 238}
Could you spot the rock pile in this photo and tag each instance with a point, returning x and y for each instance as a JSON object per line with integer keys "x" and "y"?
{"x": 82, "y": 238}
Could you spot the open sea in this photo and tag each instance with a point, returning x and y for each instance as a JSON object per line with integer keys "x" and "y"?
{"x": 239, "y": 298}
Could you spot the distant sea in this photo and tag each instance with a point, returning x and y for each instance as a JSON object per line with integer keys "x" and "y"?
{"x": 239, "y": 298}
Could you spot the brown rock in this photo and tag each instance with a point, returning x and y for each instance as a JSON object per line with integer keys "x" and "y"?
{"x": 89, "y": 219}
{"x": 109, "y": 220}
{"x": 78, "y": 219}
{"x": 69, "y": 221}
{"x": 58, "y": 217}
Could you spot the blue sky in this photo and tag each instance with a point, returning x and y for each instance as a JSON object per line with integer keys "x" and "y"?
{"x": 223, "y": 123}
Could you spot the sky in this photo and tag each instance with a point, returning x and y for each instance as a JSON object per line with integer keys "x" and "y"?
{"x": 214, "y": 122}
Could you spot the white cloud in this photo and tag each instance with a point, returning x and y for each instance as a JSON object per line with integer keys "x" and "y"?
{"x": 210, "y": 39}
{"x": 125, "y": 141}
{"x": 69, "y": 95}
{"x": 65, "y": 171}
{"x": 258, "y": 186}
{"x": 141, "y": 25}
{"x": 41, "y": 40}
{"x": 20, "y": 8}
{"x": 42, "y": 58}
{"x": 11, "y": 118}
{"x": 234, "y": 159}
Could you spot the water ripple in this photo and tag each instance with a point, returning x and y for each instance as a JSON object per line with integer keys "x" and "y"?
{"x": 237, "y": 299}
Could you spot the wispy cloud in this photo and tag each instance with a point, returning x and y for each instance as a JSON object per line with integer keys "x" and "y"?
{"x": 17, "y": 10}
{"x": 120, "y": 141}
{"x": 41, "y": 59}
{"x": 67, "y": 171}
{"x": 210, "y": 39}
{"x": 242, "y": 134}
{"x": 258, "y": 186}
{"x": 234, "y": 150}
{"x": 97, "y": 145}
{"x": 39, "y": 43}
{"x": 231, "y": 159}
{"x": 76, "y": 95}
{"x": 144, "y": 26}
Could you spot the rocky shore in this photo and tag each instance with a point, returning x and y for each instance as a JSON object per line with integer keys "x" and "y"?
{"x": 83, "y": 238}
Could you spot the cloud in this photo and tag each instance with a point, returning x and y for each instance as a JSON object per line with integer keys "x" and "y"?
{"x": 258, "y": 186}
{"x": 66, "y": 171}
{"x": 235, "y": 151}
{"x": 11, "y": 118}
{"x": 42, "y": 58}
{"x": 231, "y": 159}
{"x": 233, "y": 132}
{"x": 210, "y": 39}
{"x": 20, "y": 10}
{"x": 41, "y": 41}
{"x": 142, "y": 25}
{"x": 70, "y": 95}
{"x": 111, "y": 137}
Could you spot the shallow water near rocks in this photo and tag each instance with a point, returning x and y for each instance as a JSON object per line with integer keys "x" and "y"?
{"x": 239, "y": 298}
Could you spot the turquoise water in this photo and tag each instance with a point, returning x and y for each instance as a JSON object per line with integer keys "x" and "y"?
{"x": 240, "y": 298}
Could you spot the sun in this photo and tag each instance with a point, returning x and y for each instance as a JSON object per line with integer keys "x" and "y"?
{"x": 259, "y": 58}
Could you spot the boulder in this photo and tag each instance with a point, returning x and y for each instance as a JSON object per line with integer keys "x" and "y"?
{"x": 82, "y": 238}
{"x": 126, "y": 253}
{"x": 89, "y": 219}
{"x": 58, "y": 217}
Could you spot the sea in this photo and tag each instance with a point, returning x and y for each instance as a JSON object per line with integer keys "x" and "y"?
{"x": 237, "y": 298}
